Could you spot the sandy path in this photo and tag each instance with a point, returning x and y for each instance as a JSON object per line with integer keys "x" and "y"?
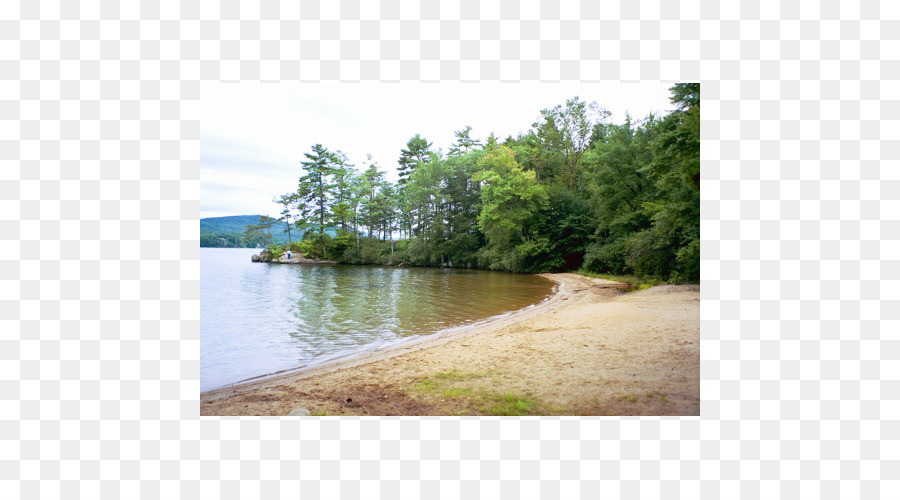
{"x": 590, "y": 350}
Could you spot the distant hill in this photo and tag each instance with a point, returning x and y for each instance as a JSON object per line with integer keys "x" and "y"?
{"x": 227, "y": 225}
{"x": 229, "y": 232}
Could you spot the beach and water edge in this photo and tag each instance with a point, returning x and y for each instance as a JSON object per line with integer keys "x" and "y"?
{"x": 589, "y": 349}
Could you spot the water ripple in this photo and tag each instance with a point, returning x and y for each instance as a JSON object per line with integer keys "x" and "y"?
{"x": 259, "y": 318}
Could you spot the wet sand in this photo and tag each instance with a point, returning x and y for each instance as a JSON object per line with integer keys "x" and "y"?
{"x": 590, "y": 349}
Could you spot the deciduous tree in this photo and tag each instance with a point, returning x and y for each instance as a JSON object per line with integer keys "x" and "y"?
{"x": 510, "y": 199}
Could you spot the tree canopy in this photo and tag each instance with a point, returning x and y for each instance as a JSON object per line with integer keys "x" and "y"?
{"x": 573, "y": 191}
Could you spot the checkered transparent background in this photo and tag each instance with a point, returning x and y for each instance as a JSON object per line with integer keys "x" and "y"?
{"x": 99, "y": 302}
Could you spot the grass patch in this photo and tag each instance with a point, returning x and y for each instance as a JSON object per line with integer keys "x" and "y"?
{"x": 634, "y": 282}
{"x": 448, "y": 390}
{"x": 456, "y": 392}
{"x": 510, "y": 405}
{"x": 442, "y": 384}
{"x": 657, "y": 396}
{"x": 632, "y": 398}
{"x": 455, "y": 375}
{"x": 425, "y": 385}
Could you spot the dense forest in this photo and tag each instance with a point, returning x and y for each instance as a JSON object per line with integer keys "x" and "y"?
{"x": 573, "y": 192}
{"x": 230, "y": 232}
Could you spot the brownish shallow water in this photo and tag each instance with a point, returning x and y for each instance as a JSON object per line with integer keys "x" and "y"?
{"x": 259, "y": 318}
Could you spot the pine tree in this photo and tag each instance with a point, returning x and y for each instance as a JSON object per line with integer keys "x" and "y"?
{"x": 341, "y": 207}
{"x": 286, "y": 216}
{"x": 464, "y": 143}
{"x": 374, "y": 180}
{"x": 265, "y": 223}
{"x": 417, "y": 152}
{"x": 315, "y": 188}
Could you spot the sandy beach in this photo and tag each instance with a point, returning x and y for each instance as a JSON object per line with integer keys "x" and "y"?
{"x": 590, "y": 349}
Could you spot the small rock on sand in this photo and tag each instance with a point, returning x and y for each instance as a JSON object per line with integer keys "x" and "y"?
{"x": 299, "y": 412}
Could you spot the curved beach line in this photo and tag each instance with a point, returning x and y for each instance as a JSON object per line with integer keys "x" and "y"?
{"x": 560, "y": 294}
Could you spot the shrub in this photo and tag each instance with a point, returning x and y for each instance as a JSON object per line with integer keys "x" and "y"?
{"x": 607, "y": 257}
{"x": 649, "y": 253}
{"x": 688, "y": 261}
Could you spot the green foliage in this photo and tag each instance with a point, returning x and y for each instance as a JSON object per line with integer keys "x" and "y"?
{"x": 646, "y": 197}
{"x": 573, "y": 192}
{"x": 511, "y": 200}
{"x": 456, "y": 390}
{"x": 568, "y": 130}
{"x": 607, "y": 257}
{"x": 534, "y": 154}
{"x": 275, "y": 250}
{"x": 568, "y": 225}
{"x": 343, "y": 190}
{"x": 464, "y": 143}
{"x": 221, "y": 240}
{"x": 287, "y": 215}
{"x": 416, "y": 153}
{"x": 649, "y": 253}
{"x": 340, "y": 243}
{"x": 511, "y": 405}
{"x": 234, "y": 224}
{"x": 620, "y": 187}
{"x": 675, "y": 211}
{"x": 315, "y": 189}
{"x": 236, "y": 231}
{"x": 688, "y": 261}
{"x": 635, "y": 283}
{"x": 307, "y": 248}
{"x": 685, "y": 95}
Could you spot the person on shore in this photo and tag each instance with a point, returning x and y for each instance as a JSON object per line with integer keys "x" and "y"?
{"x": 289, "y": 254}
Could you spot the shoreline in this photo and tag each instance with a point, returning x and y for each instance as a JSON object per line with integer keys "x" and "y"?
{"x": 397, "y": 348}
{"x": 589, "y": 349}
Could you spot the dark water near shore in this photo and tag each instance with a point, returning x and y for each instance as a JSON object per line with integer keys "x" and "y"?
{"x": 260, "y": 318}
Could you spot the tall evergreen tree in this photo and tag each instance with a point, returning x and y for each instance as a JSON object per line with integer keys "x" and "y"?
{"x": 342, "y": 189}
{"x": 464, "y": 143}
{"x": 374, "y": 180}
{"x": 263, "y": 228}
{"x": 315, "y": 188}
{"x": 676, "y": 172}
{"x": 418, "y": 151}
{"x": 390, "y": 203}
{"x": 358, "y": 192}
{"x": 574, "y": 190}
{"x": 287, "y": 215}
{"x": 620, "y": 187}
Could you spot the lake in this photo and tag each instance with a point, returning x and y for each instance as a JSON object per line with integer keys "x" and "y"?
{"x": 258, "y": 318}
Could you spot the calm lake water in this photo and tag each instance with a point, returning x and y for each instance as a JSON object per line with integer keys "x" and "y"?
{"x": 259, "y": 318}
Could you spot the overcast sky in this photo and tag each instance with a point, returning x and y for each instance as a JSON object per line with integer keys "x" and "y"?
{"x": 253, "y": 136}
